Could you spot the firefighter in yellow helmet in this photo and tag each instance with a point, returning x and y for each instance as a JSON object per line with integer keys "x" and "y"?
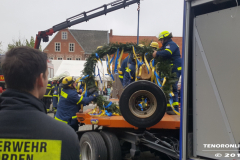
{"x": 155, "y": 45}
{"x": 170, "y": 50}
{"x": 69, "y": 103}
{"x": 130, "y": 70}
{"x": 47, "y": 98}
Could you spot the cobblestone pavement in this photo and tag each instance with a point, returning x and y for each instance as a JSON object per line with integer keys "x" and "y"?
{"x": 143, "y": 155}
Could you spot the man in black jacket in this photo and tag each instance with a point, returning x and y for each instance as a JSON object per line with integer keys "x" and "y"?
{"x": 26, "y": 131}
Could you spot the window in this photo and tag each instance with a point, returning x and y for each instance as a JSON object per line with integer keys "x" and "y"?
{"x": 69, "y": 58}
{"x": 59, "y": 58}
{"x": 64, "y": 35}
{"x": 78, "y": 59}
{"x": 50, "y": 58}
{"x": 57, "y": 47}
{"x": 71, "y": 47}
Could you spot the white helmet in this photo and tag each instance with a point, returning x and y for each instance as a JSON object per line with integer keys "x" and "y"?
{"x": 62, "y": 75}
{"x": 55, "y": 78}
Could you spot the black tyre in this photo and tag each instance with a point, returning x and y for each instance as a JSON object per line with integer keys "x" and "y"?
{"x": 113, "y": 145}
{"x": 138, "y": 93}
{"x": 92, "y": 147}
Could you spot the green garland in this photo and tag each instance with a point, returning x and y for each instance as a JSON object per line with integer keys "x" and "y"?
{"x": 163, "y": 66}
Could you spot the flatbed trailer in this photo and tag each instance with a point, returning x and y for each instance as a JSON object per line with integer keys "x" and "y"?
{"x": 133, "y": 140}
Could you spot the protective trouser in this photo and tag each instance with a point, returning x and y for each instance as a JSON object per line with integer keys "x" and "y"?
{"x": 175, "y": 97}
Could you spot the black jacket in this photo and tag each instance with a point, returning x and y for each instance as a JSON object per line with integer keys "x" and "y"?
{"x": 25, "y": 127}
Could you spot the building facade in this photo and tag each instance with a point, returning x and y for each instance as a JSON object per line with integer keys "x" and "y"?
{"x": 70, "y": 44}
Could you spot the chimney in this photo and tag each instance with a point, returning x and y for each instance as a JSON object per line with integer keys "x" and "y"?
{"x": 110, "y": 35}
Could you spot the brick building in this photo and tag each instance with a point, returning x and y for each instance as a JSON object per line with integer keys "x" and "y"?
{"x": 69, "y": 44}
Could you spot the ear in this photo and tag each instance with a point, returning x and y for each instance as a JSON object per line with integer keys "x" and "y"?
{"x": 40, "y": 80}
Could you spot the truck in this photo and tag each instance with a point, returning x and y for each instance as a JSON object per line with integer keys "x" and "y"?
{"x": 208, "y": 124}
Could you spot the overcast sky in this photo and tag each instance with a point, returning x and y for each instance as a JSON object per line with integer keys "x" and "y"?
{"x": 24, "y": 18}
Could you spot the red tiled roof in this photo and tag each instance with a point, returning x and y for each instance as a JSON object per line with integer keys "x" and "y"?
{"x": 133, "y": 39}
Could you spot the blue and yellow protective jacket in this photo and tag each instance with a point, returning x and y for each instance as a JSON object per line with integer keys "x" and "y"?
{"x": 170, "y": 50}
{"x": 69, "y": 104}
{"x": 124, "y": 67}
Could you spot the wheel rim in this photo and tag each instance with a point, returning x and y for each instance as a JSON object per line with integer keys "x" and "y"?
{"x": 86, "y": 151}
{"x": 142, "y": 104}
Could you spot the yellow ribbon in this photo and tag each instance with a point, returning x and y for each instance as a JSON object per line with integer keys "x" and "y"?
{"x": 119, "y": 60}
{"x": 136, "y": 72}
{"x": 85, "y": 87}
{"x": 164, "y": 81}
{"x": 177, "y": 113}
{"x": 146, "y": 62}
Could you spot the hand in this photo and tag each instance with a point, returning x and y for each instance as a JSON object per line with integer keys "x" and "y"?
{"x": 80, "y": 91}
{"x": 154, "y": 54}
{"x": 95, "y": 94}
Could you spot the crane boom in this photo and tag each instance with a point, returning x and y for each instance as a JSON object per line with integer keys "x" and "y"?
{"x": 82, "y": 17}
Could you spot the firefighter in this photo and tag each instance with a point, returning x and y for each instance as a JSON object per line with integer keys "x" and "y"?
{"x": 130, "y": 70}
{"x": 170, "y": 50}
{"x": 124, "y": 67}
{"x": 154, "y": 45}
{"x": 47, "y": 98}
{"x": 70, "y": 101}
{"x": 23, "y": 117}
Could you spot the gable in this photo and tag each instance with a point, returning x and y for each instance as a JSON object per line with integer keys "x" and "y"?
{"x": 90, "y": 39}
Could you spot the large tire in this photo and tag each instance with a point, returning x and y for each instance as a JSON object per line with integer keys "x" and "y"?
{"x": 155, "y": 109}
{"x": 113, "y": 145}
{"x": 92, "y": 147}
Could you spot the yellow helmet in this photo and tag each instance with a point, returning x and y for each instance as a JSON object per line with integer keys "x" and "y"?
{"x": 164, "y": 34}
{"x": 99, "y": 47}
{"x": 68, "y": 81}
{"x": 141, "y": 45}
{"x": 154, "y": 45}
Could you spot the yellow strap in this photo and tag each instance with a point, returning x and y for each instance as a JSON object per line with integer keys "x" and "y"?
{"x": 179, "y": 68}
{"x": 49, "y": 85}
{"x": 136, "y": 72}
{"x": 168, "y": 105}
{"x": 65, "y": 95}
{"x": 78, "y": 87}
{"x": 77, "y": 80}
{"x": 80, "y": 100}
{"x": 120, "y": 72}
{"x": 164, "y": 81}
{"x": 49, "y": 88}
{"x": 73, "y": 117}
{"x": 153, "y": 75}
{"x": 61, "y": 120}
{"x": 55, "y": 95}
{"x": 104, "y": 86}
{"x": 169, "y": 50}
{"x": 146, "y": 62}
{"x": 177, "y": 113}
{"x": 85, "y": 87}
{"x": 119, "y": 60}
{"x": 96, "y": 83}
